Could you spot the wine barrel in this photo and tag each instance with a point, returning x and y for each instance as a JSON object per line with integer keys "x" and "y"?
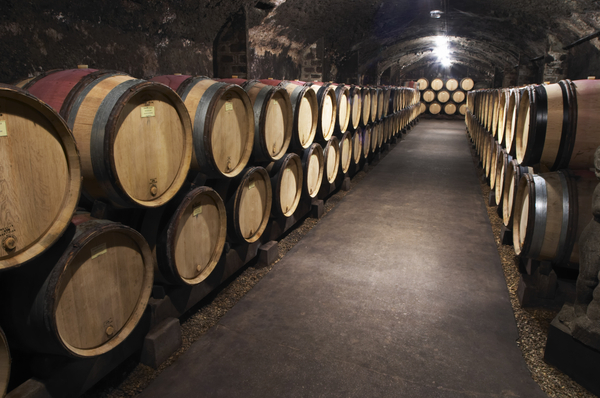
{"x": 437, "y": 84}
{"x": 331, "y": 156}
{"x": 458, "y": 96}
{"x": 443, "y": 96}
{"x": 273, "y": 118}
{"x": 305, "y": 109}
{"x": 189, "y": 243}
{"x": 366, "y": 106}
{"x": 435, "y": 108}
{"x": 134, "y": 136}
{"x": 462, "y": 109}
{"x": 551, "y": 211}
{"x": 374, "y": 99}
{"x": 85, "y": 296}
{"x": 345, "y": 150}
{"x": 502, "y": 115}
{"x": 467, "y": 84}
{"x": 559, "y": 125}
{"x": 40, "y": 173}
{"x": 496, "y": 153}
{"x": 387, "y": 92}
{"x": 355, "y": 95}
{"x": 422, "y": 107}
{"x": 502, "y": 165}
{"x": 380, "y": 134}
{"x": 450, "y": 108}
{"x": 380, "y": 102}
{"x": 223, "y": 120}
{"x": 342, "y": 97}
{"x": 357, "y": 146}
{"x": 510, "y": 131}
{"x": 366, "y": 141}
{"x": 509, "y": 196}
{"x": 375, "y": 137}
{"x": 312, "y": 166}
{"x": 429, "y": 96}
{"x": 327, "y": 110}
{"x": 451, "y": 84}
{"x": 286, "y": 181}
{"x": 423, "y": 83}
{"x": 5, "y": 363}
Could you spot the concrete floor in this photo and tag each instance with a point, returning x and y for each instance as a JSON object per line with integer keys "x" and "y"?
{"x": 397, "y": 292}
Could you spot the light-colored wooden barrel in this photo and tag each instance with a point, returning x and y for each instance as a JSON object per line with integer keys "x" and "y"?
{"x": 327, "y": 111}
{"x": 512, "y": 111}
{"x": 450, "y": 108}
{"x": 422, "y": 107}
{"x": 551, "y": 211}
{"x": 134, "y": 136}
{"x": 437, "y": 84}
{"x": 190, "y": 245}
{"x": 331, "y": 156}
{"x": 223, "y": 120}
{"x": 357, "y": 146}
{"x": 458, "y": 96}
{"x": 435, "y": 108}
{"x": 306, "y": 112}
{"x": 366, "y": 106}
{"x": 462, "y": 109}
{"x": 502, "y": 113}
{"x": 451, "y": 84}
{"x": 375, "y": 137}
{"x": 429, "y": 96}
{"x": 496, "y": 153}
{"x": 511, "y": 184}
{"x": 344, "y": 109}
{"x": 86, "y": 295}
{"x": 273, "y": 117}
{"x": 250, "y": 207}
{"x": 345, "y": 145}
{"x": 503, "y": 163}
{"x": 386, "y": 101}
{"x": 380, "y": 102}
{"x": 40, "y": 176}
{"x": 423, "y": 83}
{"x": 355, "y": 95}
{"x": 467, "y": 84}
{"x": 366, "y": 141}
{"x": 287, "y": 178}
{"x": 313, "y": 166}
{"x": 443, "y": 96}
{"x": 374, "y": 99}
{"x": 5, "y": 364}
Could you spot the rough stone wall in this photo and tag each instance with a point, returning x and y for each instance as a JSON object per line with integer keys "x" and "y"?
{"x": 312, "y": 62}
{"x": 230, "y": 58}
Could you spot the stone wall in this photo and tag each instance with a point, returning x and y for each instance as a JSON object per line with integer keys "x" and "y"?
{"x": 230, "y": 57}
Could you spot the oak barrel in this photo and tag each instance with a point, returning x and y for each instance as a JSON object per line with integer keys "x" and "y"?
{"x": 429, "y": 96}
{"x": 357, "y": 145}
{"x": 551, "y": 211}
{"x": 422, "y": 107}
{"x": 451, "y": 84}
{"x": 458, "y": 96}
{"x": 435, "y": 108}
{"x": 380, "y": 102}
{"x": 40, "y": 173}
{"x": 462, "y": 109}
{"x": 423, "y": 83}
{"x": 450, "y": 108}
{"x": 344, "y": 109}
{"x": 286, "y": 181}
{"x": 306, "y": 112}
{"x": 366, "y": 106}
{"x": 85, "y": 296}
{"x": 502, "y": 165}
{"x": 5, "y": 364}
{"x": 437, "y": 84}
{"x": 331, "y": 157}
{"x": 327, "y": 110}
{"x": 134, "y": 136}
{"x": 512, "y": 110}
{"x": 467, "y": 84}
{"x": 366, "y": 141}
{"x": 355, "y": 95}
{"x": 374, "y": 99}
{"x": 189, "y": 245}
{"x": 313, "y": 166}
{"x": 345, "y": 145}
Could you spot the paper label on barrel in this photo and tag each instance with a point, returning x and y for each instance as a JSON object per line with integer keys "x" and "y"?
{"x": 228, "y": 106}
{"x": 99, "y": 250}
{"x": 148, "y": 111}
{"x": 3, "y": 131}
{"x": 197, "y": 210}
{"x": 252, "y": 185}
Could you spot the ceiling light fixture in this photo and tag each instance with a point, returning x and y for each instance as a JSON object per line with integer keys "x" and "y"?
{"x": 437, "y": 14}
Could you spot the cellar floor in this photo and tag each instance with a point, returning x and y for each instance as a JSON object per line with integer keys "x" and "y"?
{"x": 397, "y": 292}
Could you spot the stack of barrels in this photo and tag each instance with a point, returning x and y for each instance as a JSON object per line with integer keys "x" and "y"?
{"x": 112, "y": 184}
{"x": 445, "y": 97}
{"x": 536, "y": 145}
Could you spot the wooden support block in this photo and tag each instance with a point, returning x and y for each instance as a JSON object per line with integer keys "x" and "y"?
{"x": 386, "y": 147}
{"x": 162, "y": 341}
{"x": 394, "y": 140}
{"x": 268, "y": 254}
{"x": 317, "y": 209}
{"x": 346, "y": 184}
{"x": 492, "y": 199}
{"x": 32, "y": 388}
{"x": 366, "y": 167}
{"x": 506, "y": 236}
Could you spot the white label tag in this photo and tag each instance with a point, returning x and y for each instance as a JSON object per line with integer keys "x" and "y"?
{"x": 197, "y": 210}
{"x": 148, "y": 111}
{"x": 3, "y": 131}
{"x": 228, "y": 106}
{"x": 252, "y": 185}
{"x": 99, "y": 250}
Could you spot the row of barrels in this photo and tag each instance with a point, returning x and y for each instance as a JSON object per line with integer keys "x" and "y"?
{"x": 450, "y": 108}
{"x": 537, "y": 145}
{"x": 128, "y": 141}
{"x": 451, "y": 84}
{"x": 443, "y": 96}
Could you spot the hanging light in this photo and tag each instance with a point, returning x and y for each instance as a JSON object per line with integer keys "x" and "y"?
{"x": 437, "y": 14}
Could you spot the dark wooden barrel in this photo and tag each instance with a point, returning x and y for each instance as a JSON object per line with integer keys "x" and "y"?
{"x": 134, "y": 136}
{"x": 84, "y": 296}
{"x": 187, "y": 236}
{"x": 306, "y": 112}
{"x": 40, "y": 176}
{"x": 273, "y": 116}
{"x": 287, "y": 178}
{"x": 551, "y": 211}
{"x": 223, "y": 120}
{"x": 313, "y": 166}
